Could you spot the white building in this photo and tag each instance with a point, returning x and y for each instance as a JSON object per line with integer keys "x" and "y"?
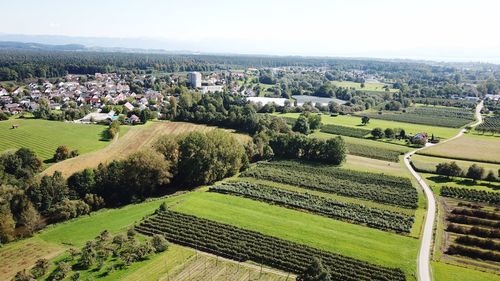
{"x": 211, "y": 89}
{"x": 194, "y": 79}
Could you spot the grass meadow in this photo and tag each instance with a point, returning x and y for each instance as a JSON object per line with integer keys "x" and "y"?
{"x": 469, "y": 148}
{"x": 45, "y": 136}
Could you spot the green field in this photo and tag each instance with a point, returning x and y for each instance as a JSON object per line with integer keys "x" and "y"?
{"x": 367, "y": 142}
{"x": 355, "y": 121}
{"x": 45, "y": 136}
{"x": 428, "y": 164}
{"x": 370, "y": 87}
{"x": 360, "y": 242}
{"x": 445, "y": 272}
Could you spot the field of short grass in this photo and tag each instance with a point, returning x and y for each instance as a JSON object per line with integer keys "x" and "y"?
{"x": 355, "y": 121}
{"x": 45, "y": 136}
{"x": 360, "y": 242}
{"x": 445, "y": 272}
{"x": 467, "y": 147}
{"x": 372, "y": 87}
{"x": 429, "y": 163}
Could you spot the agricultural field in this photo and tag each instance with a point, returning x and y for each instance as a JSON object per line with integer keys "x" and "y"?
{"x": 45, "y": 136}
{"x": 433, "y": 116}
{"x": 355, "y": 122}
{"x": 345, "y": 131}
{"x": 443, "y": 272}
{"x": 470, "y": 234}
{"x": 469, "y": 148}
{"x": 490, "y": 125}
{"x": 368, "y": 148}
{"x": 241, "y": 244}
{"x": 379, "y": 188}
{"x": 137, "y": 137}
{"x": 427, "y": 164}
{"x": 354, "y": 213}
{"x": 375, "y": 246}
{"x": 370, "y": 87}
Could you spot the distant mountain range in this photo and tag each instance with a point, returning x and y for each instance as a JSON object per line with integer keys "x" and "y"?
{"x": 97, "y": 44}
{"x": 221, "y": 46}
{"x": 13, "y": 45}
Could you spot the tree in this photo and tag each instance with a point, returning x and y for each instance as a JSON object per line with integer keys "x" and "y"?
{"x": 475, "y": 172}
{"x": 335, "y": 151}
{"x": 449, "y": 169}
{"x": 30, "y": 218}
{"x": 62, "y": 153}
{"x": 209, "y": 157}
{"x": 23, "y": 275}
{"x": 490, "y": 176}
{"x": 145, "y": 172}
{"x": 377, "y": 133}
{"x": 82, "y": 182}
{"x": 402, "y": 134}
{"x": 389, "y": 133}
{"x": 301, "y": 125}
{"x": 7, "y": 223}
{"x": 40, "y": 268}
{"x": 159, "y": 243}
{"x": 365, "y": 120}
{"x": 48, "y": 192}
{"x": 315, "y": 272}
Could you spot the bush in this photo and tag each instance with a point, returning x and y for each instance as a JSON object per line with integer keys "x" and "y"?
{"x": 377, "y": 133}
{"x": 475, "y": 172}
{"x": 159, "y": 243}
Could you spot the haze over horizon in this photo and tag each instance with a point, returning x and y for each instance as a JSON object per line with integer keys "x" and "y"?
{"x": 435, "y": 30}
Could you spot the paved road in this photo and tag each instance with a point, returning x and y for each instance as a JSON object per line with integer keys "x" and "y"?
{"x": 424, "y": 272}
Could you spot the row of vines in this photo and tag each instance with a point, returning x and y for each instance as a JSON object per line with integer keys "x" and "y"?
{"x": 242, "y": 245}
{"x": 375, "y": 187}
{"x": 354, "y": 213}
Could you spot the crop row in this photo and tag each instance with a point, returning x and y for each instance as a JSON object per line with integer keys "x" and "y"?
{"x": 371, "y": 152}
{"x": 471, "y": 194}
{"x": 241, "y": 245}
{"x": 473, "y": 253}
{"x": 476, "y": 231}
{"x": 372, "y": 217}
{"x": 490, "y": 124}
{"x": 488, "y": 244}
{"x": 461, "y": 219}
{"x": 443, "y": 117}
{"x": 375, "y": 187}
{"x": 477, "y": 213}
{"x": 344, "y": 131}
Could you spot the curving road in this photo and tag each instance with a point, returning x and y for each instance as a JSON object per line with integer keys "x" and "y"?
{"x": 424, "y": 272}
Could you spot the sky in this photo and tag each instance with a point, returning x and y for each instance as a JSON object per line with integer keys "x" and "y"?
{"x": 428, "y": 29}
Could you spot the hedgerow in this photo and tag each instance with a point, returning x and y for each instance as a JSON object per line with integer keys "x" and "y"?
{"x": 372, "y": 217}
{"x": 434, "y": 116}
{"x": 242, "y": 245}
{"x": 375, "y": 187}
{"x": 371, "y": 152}
{"x": 344, "y": 131}
{"x": 471, "y": 194}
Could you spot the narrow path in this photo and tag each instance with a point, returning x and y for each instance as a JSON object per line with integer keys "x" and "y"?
{"x": 423, "y": 267}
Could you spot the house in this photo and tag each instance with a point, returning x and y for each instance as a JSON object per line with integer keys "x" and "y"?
{"x": 129, "y": 106}
{"x": 133, "y": 119}
{"x": 3, "y": 92}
